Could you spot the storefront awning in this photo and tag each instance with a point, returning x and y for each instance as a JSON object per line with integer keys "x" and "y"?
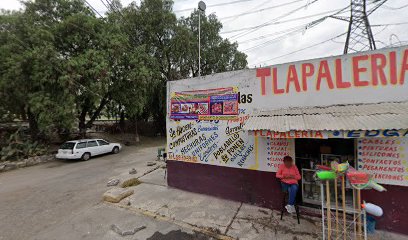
{"x": 388, "y": 115}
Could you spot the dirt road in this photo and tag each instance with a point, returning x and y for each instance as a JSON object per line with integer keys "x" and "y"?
{"x": 37, "y": 201}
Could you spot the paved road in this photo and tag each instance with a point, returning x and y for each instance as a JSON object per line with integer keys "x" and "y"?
{"x": 62, "y": 199}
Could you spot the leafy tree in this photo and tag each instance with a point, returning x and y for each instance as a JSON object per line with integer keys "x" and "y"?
{"x": 173, "y": 43}
{"x": 59, "y": 62}
{"x": 31, "y": 80}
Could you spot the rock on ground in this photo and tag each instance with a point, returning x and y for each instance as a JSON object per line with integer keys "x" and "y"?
{"x": 133, "y": 171}
{"x": 113, "y": 182}
{"x": 115, "y": 195}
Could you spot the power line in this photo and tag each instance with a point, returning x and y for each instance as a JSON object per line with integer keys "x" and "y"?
{"x": 254, "y": 8}
{"x": 285, "y": 21}
{"x": 273, "y": 40}
{"x": 389, "y": 24}
{"x": 273, "y": 20}
{"x": 268, "y": 35}
{"x": 107, "y": 7}
{"x": 214, "y": 5}
{"x": 259, "y": 10}
{"x": 302, "y": 49}
{"x": 92, "y": 8}
{"x": 296, "y": 30}
{"x": 395, "y": 8}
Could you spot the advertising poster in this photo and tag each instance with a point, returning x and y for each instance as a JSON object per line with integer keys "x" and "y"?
{"x": 211, "y": 104}
{"x": 385, "y": 159}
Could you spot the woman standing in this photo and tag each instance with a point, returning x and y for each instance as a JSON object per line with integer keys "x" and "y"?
{"x": 289, "y": 176}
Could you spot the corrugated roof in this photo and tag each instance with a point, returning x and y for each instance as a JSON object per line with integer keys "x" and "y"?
{"x": 388, "y": 115}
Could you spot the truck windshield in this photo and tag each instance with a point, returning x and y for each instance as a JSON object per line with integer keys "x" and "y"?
{"x": 67, "y": 145}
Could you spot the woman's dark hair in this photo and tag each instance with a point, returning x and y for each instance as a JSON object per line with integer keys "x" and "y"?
{"x": 287, "y": 158}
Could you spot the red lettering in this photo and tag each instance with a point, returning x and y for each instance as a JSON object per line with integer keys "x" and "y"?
{"x": 404, "y": 67}
{"x": 290, "y": 135}
{"x": 276, "y": 90}
{"x": 307, "y": 71}
{"x": 377, "y": 68}
{"x": 297, "y": 134}
{"x": 339, "y": 76}
{"x": 393, "y": 68}
{"x": 292, "y": 77}
{"x": 324, "y": 72}
{"x": 304, "y": 134}
{"x": 263, "y": 73}
{"x": 357, "y": 70}
{"x": 319, "y": 134}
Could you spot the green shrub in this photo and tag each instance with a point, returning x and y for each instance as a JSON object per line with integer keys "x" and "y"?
{"x": 19, "y": 149}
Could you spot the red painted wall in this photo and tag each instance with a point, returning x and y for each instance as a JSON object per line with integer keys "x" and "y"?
{"x": 262, "y": 189}
{"x": 394, "y": 203}
{"x": 256, "y": 187}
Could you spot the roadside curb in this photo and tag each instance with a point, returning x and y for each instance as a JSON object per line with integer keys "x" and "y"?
{"x": 28, "y": 162}
{"x": 181, "y": 224}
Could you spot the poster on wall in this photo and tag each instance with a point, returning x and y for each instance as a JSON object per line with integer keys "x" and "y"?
{"x": 210, "y": 104}
{"x": 385, "y": 159}
{"x": 272, "y": 151}
{"x": 220, "y": 142}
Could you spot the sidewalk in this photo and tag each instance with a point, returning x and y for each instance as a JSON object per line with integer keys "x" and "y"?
{"x": 213, "y": 216}
{"x": 218, "y": 218}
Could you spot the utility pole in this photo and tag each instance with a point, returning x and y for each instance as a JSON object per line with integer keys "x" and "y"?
{"x": 359, "y": 35}
{"x": 201, "y": 8}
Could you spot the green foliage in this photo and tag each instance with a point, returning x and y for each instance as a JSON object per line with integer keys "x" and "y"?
{"x": 18, "y": 148}
{"x": 61, "y": 65}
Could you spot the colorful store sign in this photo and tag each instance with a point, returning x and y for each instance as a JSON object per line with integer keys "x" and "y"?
{"x": 385, "y": 159}
{"x": 332, "y": 134}
{"x": 205, "y": 115}
{"x": 211, "y": 104}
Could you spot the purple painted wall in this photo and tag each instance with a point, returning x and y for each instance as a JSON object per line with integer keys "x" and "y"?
{"x": 394, "y": 203}
{"x": 262, "y": 189}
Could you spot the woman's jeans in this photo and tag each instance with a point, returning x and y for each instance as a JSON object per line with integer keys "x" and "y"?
{"x": 292, "y": 190}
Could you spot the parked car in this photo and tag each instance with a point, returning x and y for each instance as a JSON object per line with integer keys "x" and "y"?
{"x": 86, "y": 148}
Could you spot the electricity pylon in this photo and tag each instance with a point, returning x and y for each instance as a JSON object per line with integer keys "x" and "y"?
{"x": 359, "y": 35}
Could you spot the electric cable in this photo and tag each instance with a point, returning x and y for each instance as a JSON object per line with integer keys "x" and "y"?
{"x": 302, "y": 49}
{"x": 273, "y": 20}
{"x": 214, "y": 5}
{"x": 252, "y": 11}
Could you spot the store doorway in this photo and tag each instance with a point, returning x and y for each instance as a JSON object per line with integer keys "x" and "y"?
{"x": 312, "y": 152}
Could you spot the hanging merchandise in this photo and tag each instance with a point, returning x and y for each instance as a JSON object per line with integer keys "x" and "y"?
{"x": 372, "y": 209}
{"x": 359, "y": 181}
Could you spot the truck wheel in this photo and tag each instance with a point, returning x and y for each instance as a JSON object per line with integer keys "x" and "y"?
{"x": 86, "y": 156}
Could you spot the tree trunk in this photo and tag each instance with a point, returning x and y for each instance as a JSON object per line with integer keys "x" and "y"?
{"x": 137, "y": 138}
{"x": 97, "y": 112}
{"x": 33, "y": 125}
{"x": 122, "y": 121}
{"x": 81, "y": 121}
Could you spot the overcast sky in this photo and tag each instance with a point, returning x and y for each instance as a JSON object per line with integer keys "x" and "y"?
{"x": 267, "y": 44}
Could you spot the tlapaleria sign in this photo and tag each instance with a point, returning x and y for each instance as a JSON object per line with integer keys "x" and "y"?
{"x": 205, "y": 115}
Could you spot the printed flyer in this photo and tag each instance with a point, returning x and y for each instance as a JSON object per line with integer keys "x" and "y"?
{"x": 210, "y": 104}
{"x": 385, "y": 159}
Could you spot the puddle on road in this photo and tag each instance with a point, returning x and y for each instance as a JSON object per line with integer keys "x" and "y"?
{"x": 179, "y": 235}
